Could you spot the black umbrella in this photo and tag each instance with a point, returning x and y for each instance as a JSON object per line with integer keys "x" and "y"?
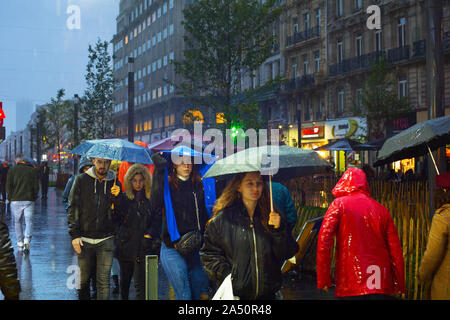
{"x": 415, "y": 141}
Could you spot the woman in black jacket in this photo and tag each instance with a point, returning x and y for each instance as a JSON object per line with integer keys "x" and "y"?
{"x": 184, "y": 271}
{"x": 139, "y": 230}
{"x": 247, "y": 240}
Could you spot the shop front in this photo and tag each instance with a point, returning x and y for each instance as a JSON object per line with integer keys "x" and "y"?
{"x": 354, "y": 128}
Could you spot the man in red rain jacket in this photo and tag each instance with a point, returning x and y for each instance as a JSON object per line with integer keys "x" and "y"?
{"x": 369, "y": 258}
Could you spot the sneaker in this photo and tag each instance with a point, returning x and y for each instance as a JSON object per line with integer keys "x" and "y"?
{"x": 26, "y": 248}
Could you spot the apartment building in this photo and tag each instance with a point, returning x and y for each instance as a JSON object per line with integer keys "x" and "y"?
{"x": 150, "y": 31}
{"x": 329, "y": 52}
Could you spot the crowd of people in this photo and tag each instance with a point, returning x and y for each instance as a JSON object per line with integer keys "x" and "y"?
{"x": 115, "y": 220}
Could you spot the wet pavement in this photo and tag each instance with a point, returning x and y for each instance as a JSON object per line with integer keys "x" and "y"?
{"x": 46, "y": 273}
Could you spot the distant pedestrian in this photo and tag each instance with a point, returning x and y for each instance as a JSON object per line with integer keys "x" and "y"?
{"x": 139, "y": 230}
{"x": 9, "y": 282}
{"x": 44, "y": 174}
{"x": 85, "y": 165}
{"x": 369, "y": 258}
{"x": 247, "y": 240}
{"x": 435, "y": 264}
{"x": 92, "y": 225}
{"x": 3, "y": 174}
{"x": 22, "y": 187}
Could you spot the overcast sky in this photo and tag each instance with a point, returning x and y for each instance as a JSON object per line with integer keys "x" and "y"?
{"x": 40, "y": 53}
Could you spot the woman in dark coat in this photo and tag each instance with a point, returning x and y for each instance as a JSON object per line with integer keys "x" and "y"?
{"x": 247, "y": 240}
{"x": 186, "y": 213}
{"x": 139, "y": 230}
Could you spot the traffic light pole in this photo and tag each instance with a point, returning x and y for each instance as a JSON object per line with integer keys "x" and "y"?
{"x": 76, "y": 100}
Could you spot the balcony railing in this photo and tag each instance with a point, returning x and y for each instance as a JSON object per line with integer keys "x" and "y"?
{"x": 419, "y": 48}
{"x": 362, "y": 62}
{"x": 300, "y": 83}
{"x": 303, "y": 36}
{"x": 398, "y": 54}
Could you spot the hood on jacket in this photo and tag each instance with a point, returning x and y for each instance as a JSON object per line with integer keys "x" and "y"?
{"x": 132, "y": 171}
{"x": 353, "y": 180}
{"x": 109, "y": 176}
{"x": 83, "y": 163}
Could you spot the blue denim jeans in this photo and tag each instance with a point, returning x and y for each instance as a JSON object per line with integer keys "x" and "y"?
{"x": 97, "y": 256}
{"x": 186, "y": 275}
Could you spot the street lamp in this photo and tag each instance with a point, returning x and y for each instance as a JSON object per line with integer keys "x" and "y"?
{"x": 131, "y": 99}
{"x": 76, "y": 101}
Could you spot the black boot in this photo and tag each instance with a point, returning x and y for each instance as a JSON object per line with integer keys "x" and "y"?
{"x": 116, "y": 284}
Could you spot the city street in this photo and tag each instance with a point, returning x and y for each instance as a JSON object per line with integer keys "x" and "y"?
{"x": 45, "y": 273}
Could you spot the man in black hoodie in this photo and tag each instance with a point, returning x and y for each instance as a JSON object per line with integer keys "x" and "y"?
{"x": 92, "y": 225}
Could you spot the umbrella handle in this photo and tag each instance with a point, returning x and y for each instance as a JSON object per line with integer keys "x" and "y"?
{"x": 432, "y": 158}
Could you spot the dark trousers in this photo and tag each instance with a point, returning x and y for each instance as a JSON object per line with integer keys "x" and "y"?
{"x": 44, "y": 186}
{"x": 101, "y": 255}
{"x": 135, "y": 270}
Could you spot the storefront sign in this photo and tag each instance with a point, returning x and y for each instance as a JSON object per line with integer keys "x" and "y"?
{"x": 345, "y": 128}
{"x": 397, "y": 125}
{"x": 316, "y": 132}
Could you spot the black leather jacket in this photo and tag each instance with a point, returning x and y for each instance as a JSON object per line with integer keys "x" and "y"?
{"x": 234, "y": 244}
{"x": 9, "y": 283}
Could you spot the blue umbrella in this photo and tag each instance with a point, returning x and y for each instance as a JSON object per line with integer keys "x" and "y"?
{"x": 208, "y": 186}
{"x": 114, "y": 149}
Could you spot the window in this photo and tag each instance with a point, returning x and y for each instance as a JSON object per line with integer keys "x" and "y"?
{"x": 144, "y": 72}
{"x": 171, "y": 56}
{"x": 165, "y": 8}
{"x": 159, "y": 37}
{"x": 171, "y": 89}
{"x": 294, "y": 67}
{"x": 159, "y": 64}
{"x": 341, "y": 101}
{"x": 307, "y": 22}
{"x": 339, "y": 8}
{"x": 401, "y": 32}
{"x": 307, "y": 114}
{"x": 139, "y": 28}
{"x": 149, "y": 43}
{"x": 402, "y": 88}
{"x": 135, "y": 32}
{"x": 378, "y": 41}
{"x": 165, "y": 61}
{"x": 166, "y": 121}
{"x": 172, "y": 119}
{"x": 143, "y": 25}
{"x": 139, "y": 51}
{"x": 318, "y": 17}
{"x": 166, "y": 91}
{"x": 358, "y": 46}
{"x": 170, "y": 4}
{"x": 143, "y": 48}
{"x": 159, "y": 13}
{"x": 295, "y": 25}
{"x": 159, "y": 92}
{"x": 340, "y": 51}
{"x": 126, "y": 39}
{"x": 154, "y": 93}
{"x": 154, "y": 17}
{"x": 358, "y": 4}
{"x": 149, "y": 125}
{"x": 171, "y": 29}
{"x": 154, "y": 40}
{"x": 359, "y": 96}
{"x": 165, "y": 33}
{"x": 154, "y": 66}
{"x": 316, "y": 61}
{"x": 305, "y": 64}
{"x": 149, "y": 96}
{"x": 149, "y": 21}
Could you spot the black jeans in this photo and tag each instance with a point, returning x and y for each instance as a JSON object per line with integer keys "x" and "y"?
{"x": 44, "y": 186}
{"x": 135, "y": 270}
{"x": 101, "y": 255}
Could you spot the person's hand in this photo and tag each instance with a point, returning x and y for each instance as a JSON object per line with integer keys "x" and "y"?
{"x": 274, "y": 220}
{"x": 77, "y": 244}
{"x": 115, "y": 190}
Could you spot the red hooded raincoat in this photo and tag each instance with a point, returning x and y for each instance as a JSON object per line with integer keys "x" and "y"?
{"x": 369, "y": 258}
